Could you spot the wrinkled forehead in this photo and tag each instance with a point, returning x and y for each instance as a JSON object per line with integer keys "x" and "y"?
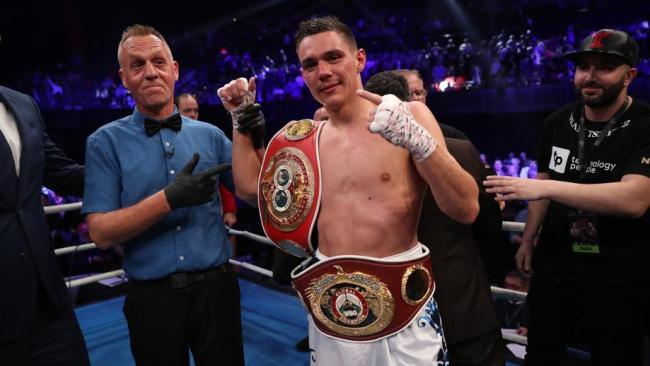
{"x": 187, "y": 101}
{"x": 414, "y": 81}
{"x": 143, "y": 45}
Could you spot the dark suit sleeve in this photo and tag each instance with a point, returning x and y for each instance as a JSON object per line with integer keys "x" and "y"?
{"x": 489, "y": 216}
{"x": 486, "y": 229}
{"x": 61, "y": 173}
{"x": 452, "y": 132}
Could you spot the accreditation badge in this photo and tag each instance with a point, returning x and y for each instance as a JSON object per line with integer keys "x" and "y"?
{"x": 583, "y": 232}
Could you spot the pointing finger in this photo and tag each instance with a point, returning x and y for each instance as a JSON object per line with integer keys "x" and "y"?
{"x": 372, "y": 97}
{"x": 189, "y": 167}
{"x": 209, "y": 173}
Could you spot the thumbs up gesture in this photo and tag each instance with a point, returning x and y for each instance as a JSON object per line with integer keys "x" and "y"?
{"x": 236, "y": 96}
{"x": 239, "y": 93}
{"x": 393, "y": 120}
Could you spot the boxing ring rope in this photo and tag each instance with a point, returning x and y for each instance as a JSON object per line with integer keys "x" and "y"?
{"x": 248, "y": 235}
{"x": 74, "y": 248}
{"x": 65, "y": 207}
{"x": 497, "y": 292}
{"x": 506, "y": 226}
{"x": 94, "y": 278}
{"x": 517, "y": 227}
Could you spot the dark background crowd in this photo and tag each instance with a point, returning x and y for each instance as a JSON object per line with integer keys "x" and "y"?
{"x": 492, "y": 69}
{"x": 478, "y": 44}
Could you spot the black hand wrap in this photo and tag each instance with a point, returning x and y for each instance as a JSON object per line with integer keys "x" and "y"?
{"x": 252, "y": 121}
{"x": 193, "y": 189}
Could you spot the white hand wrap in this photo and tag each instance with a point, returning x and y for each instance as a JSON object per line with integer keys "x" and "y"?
{"x": 394, "y": 121}
{"x": 248, "y": 98}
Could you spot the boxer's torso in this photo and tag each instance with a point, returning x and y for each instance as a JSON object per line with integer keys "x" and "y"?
{"x": 371, "y": 193}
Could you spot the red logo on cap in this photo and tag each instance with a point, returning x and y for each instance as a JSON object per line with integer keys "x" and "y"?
{"x": 598, "y": 39}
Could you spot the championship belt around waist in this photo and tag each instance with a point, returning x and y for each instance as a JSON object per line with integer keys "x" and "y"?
{"x": 289, "y": 187}
{"x": 363, "y": 299}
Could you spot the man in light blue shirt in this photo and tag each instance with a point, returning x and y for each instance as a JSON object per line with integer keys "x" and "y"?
{"x": 150, "y": 186}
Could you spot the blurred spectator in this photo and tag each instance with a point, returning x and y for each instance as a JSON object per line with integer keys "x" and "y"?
{"x": 514, "y": 314}
{"x": 518, "y": 58}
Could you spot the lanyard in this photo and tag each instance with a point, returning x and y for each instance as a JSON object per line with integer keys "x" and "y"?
{"x": 605, "y": 131}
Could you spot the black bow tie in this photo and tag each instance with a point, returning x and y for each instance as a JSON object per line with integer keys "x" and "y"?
{"x": 153, "y": 125}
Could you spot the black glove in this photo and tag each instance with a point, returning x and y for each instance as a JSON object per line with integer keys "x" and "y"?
{"x": 252, "y": 121}
{"x": 191, "y": 190}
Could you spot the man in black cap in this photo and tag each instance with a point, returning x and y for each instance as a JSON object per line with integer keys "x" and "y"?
{"x": 591, "y": 268}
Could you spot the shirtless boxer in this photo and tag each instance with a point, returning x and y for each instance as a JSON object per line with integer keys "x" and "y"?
{"x": 358, "y": 181}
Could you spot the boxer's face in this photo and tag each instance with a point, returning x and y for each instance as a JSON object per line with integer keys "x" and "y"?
{"x": 148, "y": 71}
{"x": 331, "y": 67}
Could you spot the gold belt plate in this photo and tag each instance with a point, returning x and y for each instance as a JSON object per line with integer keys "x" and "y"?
{"x": 288, "y": 188}
{"x": 351, "y": 304}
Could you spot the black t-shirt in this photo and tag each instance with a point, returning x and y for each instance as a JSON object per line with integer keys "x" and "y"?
{"x": 624, "y": 242}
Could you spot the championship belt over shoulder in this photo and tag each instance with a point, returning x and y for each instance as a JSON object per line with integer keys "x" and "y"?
{"x": 289, "y": 187}
{"x": 363, "y": 299}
